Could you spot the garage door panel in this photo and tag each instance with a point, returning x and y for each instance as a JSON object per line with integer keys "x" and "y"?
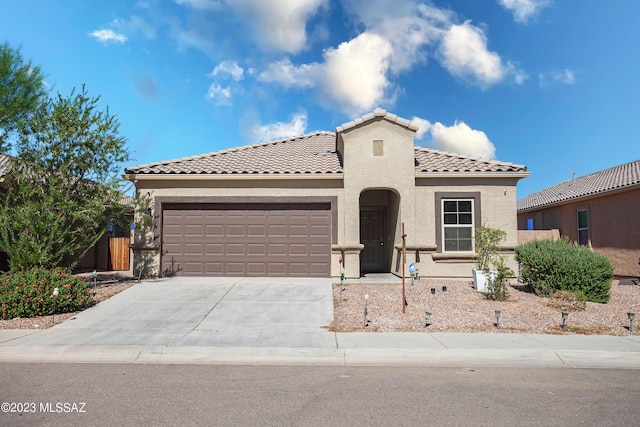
{"x": 214, "y": 249}
{"x": 253, "y": 240}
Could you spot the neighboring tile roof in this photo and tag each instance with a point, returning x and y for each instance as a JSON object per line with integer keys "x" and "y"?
{"x": 429, "y": 160}
{"x": 612, "y": 179}
{"x": 309, "y": 154}
{"x": 4, "y": 164}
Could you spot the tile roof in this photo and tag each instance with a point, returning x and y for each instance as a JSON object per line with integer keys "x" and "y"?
{"x": 615, "y": 178}
{"x": 429, "y": 160}
{"x": 308, "y": 154}
{"x": 4, "y": 164}
{"x": 378, "y": 113}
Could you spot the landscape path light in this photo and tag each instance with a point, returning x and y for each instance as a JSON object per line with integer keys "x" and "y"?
{"x": 565, "y": 315}
{"x": 498, "y": 313}
{"x": 631, "y": 315}
{"x": 366, "y": 311}
{"x": 427, "y": 316}
{"x": 55, "y": 300}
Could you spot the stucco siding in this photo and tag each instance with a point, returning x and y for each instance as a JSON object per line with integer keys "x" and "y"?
{"x": 613, "y": 226}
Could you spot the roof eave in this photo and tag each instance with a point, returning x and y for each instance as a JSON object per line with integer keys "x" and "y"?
{"x": 232, "y": 176}
{"x": 581, "y": 198}
{"x": 463, "y": 174}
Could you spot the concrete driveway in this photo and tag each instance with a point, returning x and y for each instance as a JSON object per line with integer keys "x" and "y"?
{"x": 221, "y": 312}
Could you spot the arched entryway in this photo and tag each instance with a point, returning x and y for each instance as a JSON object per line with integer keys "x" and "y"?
{"x": 379, "y": 218}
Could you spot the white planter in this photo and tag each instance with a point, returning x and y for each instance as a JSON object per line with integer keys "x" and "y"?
{"x": 480, "y": 281}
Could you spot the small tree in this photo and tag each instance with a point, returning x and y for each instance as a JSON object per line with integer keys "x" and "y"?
{"x": 487, "y": 241}
{"x": 21, "y": 91}
{"x": 61, "y": 192}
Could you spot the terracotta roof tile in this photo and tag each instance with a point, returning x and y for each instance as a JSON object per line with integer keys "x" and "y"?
{"x": 309, "y": 154}
{"x": 604, "y": 181}
{"x": 378, "y": 113}
{"x": 429, "y": 160}
{"x": 4, "y": 164}
{"x": 313, "y": 154}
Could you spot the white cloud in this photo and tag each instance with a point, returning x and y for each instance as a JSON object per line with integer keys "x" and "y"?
{"x": 424, "y": 126}
{"x": 106, "y": 36}
{"x": 219, "y": 95}
{"x": 459, "y": 138}
{"x": 465, "y": 54}
{"x": 230, "y": 68}
{"x": 134, "y": 25}
{"x": 524, "y": 9}
{"x": 290, "y": 75}
{"x": 408, "y": 26}
{"x": 201, "y": 4}
{"x": 278, "y": 25}
{"x": 353, "y": 76}
{"x": 556, "y": 77}
{"x": 194, "y": 39}
{"x": 280, "y": 130}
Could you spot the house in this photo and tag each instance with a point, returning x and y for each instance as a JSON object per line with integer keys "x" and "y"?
{"x": 598, "y": 210}
{"x": 323, "y": 204}
{"x": 110, "y": 253}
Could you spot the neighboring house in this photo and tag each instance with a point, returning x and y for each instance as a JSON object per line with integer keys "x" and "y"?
{"x": 323, "y": 204}
{"x": 599, "y": 210}
{"x": 111, "y": 252}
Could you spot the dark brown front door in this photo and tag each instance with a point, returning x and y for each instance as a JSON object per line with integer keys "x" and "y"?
{"x": 372, "y": 231}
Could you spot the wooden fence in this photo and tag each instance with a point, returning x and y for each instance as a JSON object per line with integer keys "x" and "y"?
{"x": 119, "y": 253}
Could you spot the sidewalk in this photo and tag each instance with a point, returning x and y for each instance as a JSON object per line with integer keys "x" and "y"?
{"x": 351, "y": 349}
{"x": 279, "y": 322}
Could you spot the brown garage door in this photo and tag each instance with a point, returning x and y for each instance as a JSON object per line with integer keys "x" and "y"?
{"x": 246, "y": 240}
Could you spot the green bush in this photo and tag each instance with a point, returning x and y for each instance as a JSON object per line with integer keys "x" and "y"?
{"x": 29, "y": 293}
{"x": 550, "y": 265}
{"x": 498, "y": 286}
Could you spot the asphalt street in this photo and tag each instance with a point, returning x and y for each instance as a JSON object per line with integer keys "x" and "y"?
{"x": 208, "y": 395}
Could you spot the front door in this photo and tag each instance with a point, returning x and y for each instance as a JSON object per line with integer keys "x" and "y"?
{"x": 372, "y": 231}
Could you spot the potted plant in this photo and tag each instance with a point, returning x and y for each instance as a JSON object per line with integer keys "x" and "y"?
{"x": 487, "y": 240}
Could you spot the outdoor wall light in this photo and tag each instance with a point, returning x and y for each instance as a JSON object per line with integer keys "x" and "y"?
{"x": 565, "y": 316}
{"x": 427, "y": 316}
{"x": 498, "y": 313}
{"x": 631, "y": 315}
{"x": 444, "y": 288}
{"x": 433, "y": 291}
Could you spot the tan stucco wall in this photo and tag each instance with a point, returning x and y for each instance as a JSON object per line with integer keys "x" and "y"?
{"x": 147, "y": 238}
{"x": 379, "y": 161}
{"x": 613, "y": 226}
{"x": 497, "y": 209}
{"x": 378, "y": 155}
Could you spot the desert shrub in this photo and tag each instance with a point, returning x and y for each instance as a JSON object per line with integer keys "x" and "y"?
{"x": 498, "y": 285}
{"x": 559, "y": 265}
{"x": 29, "y": 293}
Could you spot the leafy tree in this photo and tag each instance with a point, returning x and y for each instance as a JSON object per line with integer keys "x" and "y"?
{"x": 62, "y": 186}
{"x": 21, "y": 91}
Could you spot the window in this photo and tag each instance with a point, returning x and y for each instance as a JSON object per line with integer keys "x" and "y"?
{"x": 583, "y": 227}
{"x": 457, "y": 225}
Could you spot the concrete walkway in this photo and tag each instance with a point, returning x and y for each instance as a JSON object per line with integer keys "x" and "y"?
{"x": 280, "y": 321}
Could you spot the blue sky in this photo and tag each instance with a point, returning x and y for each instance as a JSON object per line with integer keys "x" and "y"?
{"x": 550, "y": 84}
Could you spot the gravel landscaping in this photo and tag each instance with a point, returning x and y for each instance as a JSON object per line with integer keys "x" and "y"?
{"x": 458, "y": 309}
{"x": 462, "y": 309}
